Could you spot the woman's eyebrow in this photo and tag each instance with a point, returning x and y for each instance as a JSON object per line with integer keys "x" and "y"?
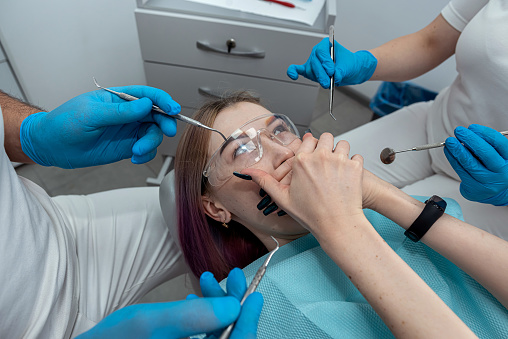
{"x": 230, "y": 140}
{"x": 271, "y": 119}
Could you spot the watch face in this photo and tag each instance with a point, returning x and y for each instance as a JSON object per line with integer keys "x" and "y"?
{"x": 440, "y": 203}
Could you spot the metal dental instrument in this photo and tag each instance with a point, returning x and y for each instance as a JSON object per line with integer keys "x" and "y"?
{"x": 388, "y": 154}
{"x": 332, "y": 54}
{"x": 252, "y": 287}
{"x": 180, "y": 117}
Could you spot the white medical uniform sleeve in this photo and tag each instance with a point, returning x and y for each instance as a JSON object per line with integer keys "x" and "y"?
{"x": 459, "y": 12}
{"x": 36, "y": 295}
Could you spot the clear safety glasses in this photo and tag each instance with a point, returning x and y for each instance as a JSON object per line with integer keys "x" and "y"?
{"x": 244, "y": 147}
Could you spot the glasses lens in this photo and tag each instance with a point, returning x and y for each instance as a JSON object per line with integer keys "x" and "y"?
{"x": 242, "y": 148}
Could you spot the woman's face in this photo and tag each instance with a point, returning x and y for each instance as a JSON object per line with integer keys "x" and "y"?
{"x": 237, "y": 197}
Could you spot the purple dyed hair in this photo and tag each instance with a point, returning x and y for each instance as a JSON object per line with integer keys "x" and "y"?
{"x": 206, "y": 244}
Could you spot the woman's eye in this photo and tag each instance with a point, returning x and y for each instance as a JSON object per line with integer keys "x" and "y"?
{"x": 242, "y": 149}
{"x": 279, "y": 129}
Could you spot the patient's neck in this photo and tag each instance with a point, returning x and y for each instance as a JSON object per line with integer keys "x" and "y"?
{"x": 283, "y": 240}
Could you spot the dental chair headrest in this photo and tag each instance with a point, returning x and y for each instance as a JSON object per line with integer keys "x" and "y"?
{"x": 168, "y": 204}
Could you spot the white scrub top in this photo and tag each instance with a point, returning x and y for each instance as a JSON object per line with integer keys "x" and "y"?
{"x": 479, "y": 93}
{"x": 37, "y": 279}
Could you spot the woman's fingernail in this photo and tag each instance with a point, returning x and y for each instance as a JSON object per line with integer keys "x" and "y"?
{"x": 263, "y": 203}
{"x": 242, "y": 176}
{"x": 281, "y": 213}
{"x": 262, "y": 192}
{"x": 307, "y": 131}
{"x": 272, "y": 208}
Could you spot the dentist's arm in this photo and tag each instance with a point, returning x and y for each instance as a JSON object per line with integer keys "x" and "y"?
{"x": 14, "y": 112}
{"x": 401, "y": 59}
{"x": 412, "y": 55}
{"x": 91, "y": 129}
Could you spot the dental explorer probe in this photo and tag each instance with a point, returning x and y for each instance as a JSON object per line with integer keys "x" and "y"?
{"x": 332, "y": 83}
{"x": 252, "y": 287}
{"x": 180, "y": 117}
{"x": 387, "y": 155}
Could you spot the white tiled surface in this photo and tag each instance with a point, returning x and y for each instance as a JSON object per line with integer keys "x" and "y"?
{"x": 349, "y": 113}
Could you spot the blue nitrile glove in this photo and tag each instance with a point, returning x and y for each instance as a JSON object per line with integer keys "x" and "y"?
{"x": 177, "y": 319}
{"x": 350, "y": 68}
{"x": 482, "y": 163}
{"x": 99, "y": 128}
{"x": 247, "y": 324}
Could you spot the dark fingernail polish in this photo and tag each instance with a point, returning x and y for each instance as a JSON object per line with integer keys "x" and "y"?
{"x": 307, "y": 131}
{"x": 263, "y": 203}
{"x": 272, "y": 208}
{"x": 242, "y": 176}
{"x": 281, "y": 213}
{"x": 262, "y": 192}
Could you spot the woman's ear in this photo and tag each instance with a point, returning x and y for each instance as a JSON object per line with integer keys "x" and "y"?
{"x": 215, "y": 210}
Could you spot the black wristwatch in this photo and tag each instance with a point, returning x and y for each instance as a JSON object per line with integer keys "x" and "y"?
{"x": 434, "y": 209}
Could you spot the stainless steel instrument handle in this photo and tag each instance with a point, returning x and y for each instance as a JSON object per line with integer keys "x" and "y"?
{"x": 206, "y": 46}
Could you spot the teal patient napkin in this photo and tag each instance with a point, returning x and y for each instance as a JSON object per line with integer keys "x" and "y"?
{"x": 308, "y": 296}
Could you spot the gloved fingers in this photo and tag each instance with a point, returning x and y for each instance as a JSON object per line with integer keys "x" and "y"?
{"x": 110, "y": 114}
{"x": 461, "y": 172}
{"x": 338, "y": 76}
{"x": 209, "y": 286}
{"x": 236, "y": 284}
{"x": 464, "y": 157}
{"x": 322, "y": 52}
{"x": 493, "y": 137}
{"x": 342, "y": 55}
{"x": 141, "y": 159}
{"x": 157, "y": 96}
{"x": 149, "y": 138}
{"x": 480, "y": 148}
{"x": 166, "y": 123}
{"x": 315, "y": 68}
{"x": 247, "y": 324}
{"x": 295, "y": 70}
{"x": 191, "y": 297}
{"x": 196, "y": 316}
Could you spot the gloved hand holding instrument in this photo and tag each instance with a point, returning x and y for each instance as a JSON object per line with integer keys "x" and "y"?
{"x": 349, "y": 68}
{"x": 99, "y": 128}
{"x": 481, "y": 163}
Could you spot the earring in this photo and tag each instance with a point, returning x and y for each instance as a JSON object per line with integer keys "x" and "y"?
{"x": 225, "y": 225}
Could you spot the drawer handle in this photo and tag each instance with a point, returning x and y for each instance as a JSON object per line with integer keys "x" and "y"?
{"x": 205, "y": 46}
{"x": 215, "y": 94}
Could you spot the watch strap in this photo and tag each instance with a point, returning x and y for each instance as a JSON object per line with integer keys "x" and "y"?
{"x": 433, "y": 210}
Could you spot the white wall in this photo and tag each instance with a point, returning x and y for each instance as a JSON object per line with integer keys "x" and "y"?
{"x": 56, "y": 46}
{"x": 365, "y": 24}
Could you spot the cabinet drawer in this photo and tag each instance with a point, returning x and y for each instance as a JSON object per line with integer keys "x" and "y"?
{"x": 183, "y": 84}
{"x": 172, "y": 38}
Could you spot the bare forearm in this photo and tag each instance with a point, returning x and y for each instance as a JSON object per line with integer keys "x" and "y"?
{"x": 398, "y": 295}
{"x": 480, "y": 254}
{"x": 14, "y": 112}
{"x": 415, "y": 54}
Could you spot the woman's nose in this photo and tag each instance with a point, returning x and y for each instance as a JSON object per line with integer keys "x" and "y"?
{"x": 273, "y": 149}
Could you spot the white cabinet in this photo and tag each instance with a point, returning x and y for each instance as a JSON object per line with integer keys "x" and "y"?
{"x": 194, "y": 51}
